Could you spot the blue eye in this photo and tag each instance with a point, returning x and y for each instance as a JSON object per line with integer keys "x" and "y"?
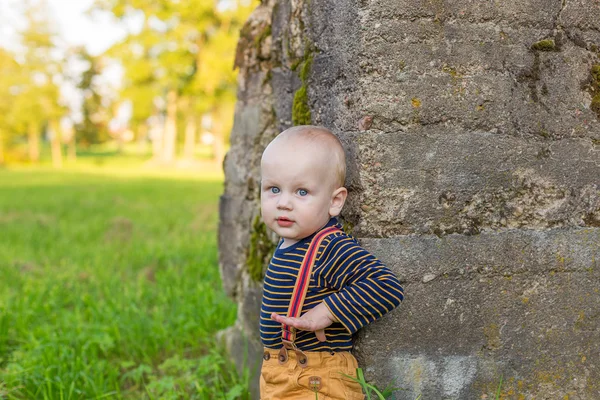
{"x": 302, "y": 192}
{"x": 275, "y": 190}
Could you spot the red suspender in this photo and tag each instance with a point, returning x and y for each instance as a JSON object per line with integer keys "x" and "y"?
{"x": 289, "y": 332}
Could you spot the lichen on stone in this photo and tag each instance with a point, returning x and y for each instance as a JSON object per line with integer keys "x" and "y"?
{"x": 452, "y": 71}
{"x": 492, "y": 335}
{"x": 260, "y": 250}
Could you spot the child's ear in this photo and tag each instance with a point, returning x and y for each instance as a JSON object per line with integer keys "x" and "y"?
{"x": 338, "y": 198}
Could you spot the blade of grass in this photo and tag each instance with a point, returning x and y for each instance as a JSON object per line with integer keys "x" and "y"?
{"x": 499, "y": 388}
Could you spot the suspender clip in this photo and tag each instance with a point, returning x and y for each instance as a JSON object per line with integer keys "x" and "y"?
{"x": 283, "y": 356}
{"x": 289, "y": 345}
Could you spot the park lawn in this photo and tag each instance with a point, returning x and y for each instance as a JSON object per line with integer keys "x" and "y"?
{"x": 109, "y": 288}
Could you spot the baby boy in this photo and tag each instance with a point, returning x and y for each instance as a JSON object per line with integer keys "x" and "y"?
{"x": 302, "y": 192}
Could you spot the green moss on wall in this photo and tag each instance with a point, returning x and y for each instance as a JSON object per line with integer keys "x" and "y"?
{"x": 265, "y": 33}
{"x": 295, "y": 64}
{"x": 596, "y": 73}
{"x": 544, "y": 45}
{"x": 595, "y": 89}
{"x": 260, "y": 250}
{"x": 595, "y": 106}
{"x": 300, "y": 110}
{"x": 347, "y": 227}
{"x": 306, "y": 66}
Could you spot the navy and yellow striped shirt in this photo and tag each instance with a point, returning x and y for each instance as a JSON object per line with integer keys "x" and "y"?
{"x": 355, "y": 286}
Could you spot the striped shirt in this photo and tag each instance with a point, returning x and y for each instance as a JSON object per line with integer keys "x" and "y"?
{"x": 354, "y": 285}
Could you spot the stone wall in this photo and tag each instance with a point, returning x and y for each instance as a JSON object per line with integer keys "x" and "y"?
{"x": 472, "y": 131}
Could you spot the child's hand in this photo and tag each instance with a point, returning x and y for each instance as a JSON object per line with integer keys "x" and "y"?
{"x": 316, "y": 320}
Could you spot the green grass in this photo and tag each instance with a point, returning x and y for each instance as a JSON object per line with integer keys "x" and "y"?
{"x": 109, "y": 287}
{"x": 371, "y": 391}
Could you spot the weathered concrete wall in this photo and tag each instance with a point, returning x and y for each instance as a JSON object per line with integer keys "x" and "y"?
{"x": 472, "y": 130}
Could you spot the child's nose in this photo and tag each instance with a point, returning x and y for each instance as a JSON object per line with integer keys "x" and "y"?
{"x": 283, "y": 202}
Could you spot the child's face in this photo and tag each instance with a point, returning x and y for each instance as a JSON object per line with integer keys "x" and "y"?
{"x": 299, "y": 191}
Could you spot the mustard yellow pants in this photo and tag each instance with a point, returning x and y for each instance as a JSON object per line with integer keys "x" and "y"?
{"x": 324, "y": 371}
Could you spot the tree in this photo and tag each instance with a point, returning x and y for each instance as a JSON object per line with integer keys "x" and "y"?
{"x": 157, "y": 63}
{"x": 93, "y": 128}
{"x": 37, "y": 95}
{"x": 183, "y": 55}
{"x": 8, "y": 71}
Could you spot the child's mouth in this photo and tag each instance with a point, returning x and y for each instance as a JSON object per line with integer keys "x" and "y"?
{"x": 284, "y": 222}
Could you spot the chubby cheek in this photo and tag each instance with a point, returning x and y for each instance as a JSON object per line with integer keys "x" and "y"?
{"x": 266, "y": 209}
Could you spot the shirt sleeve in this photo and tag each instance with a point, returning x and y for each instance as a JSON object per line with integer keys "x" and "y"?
{"x": 365, "y": 288}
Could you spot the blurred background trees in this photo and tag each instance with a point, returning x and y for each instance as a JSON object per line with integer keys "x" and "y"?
{"x": 176, "y": 92}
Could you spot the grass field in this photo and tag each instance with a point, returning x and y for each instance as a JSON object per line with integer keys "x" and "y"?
{"x": 109, "y": 287}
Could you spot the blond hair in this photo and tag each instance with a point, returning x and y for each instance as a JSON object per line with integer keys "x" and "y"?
{"x": 322, "y": 136}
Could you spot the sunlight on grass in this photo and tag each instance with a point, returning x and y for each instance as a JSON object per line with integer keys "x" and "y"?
{"x": 127, "y": 165}
{"x": 210, "y": 173}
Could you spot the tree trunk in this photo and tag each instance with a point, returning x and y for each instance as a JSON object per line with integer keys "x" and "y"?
{"x": 142, "y": 138}
{"x": 72, "y": 150}
{"x": 2, "y": 158}
{"x": 157, "y": 142}
{"x": 33, "y": 142}
{"x": 120, "y": 143}
{"x": 56, "y": 145}
{"x": 189, "y": 146}
{"x": 170, "y": 136}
